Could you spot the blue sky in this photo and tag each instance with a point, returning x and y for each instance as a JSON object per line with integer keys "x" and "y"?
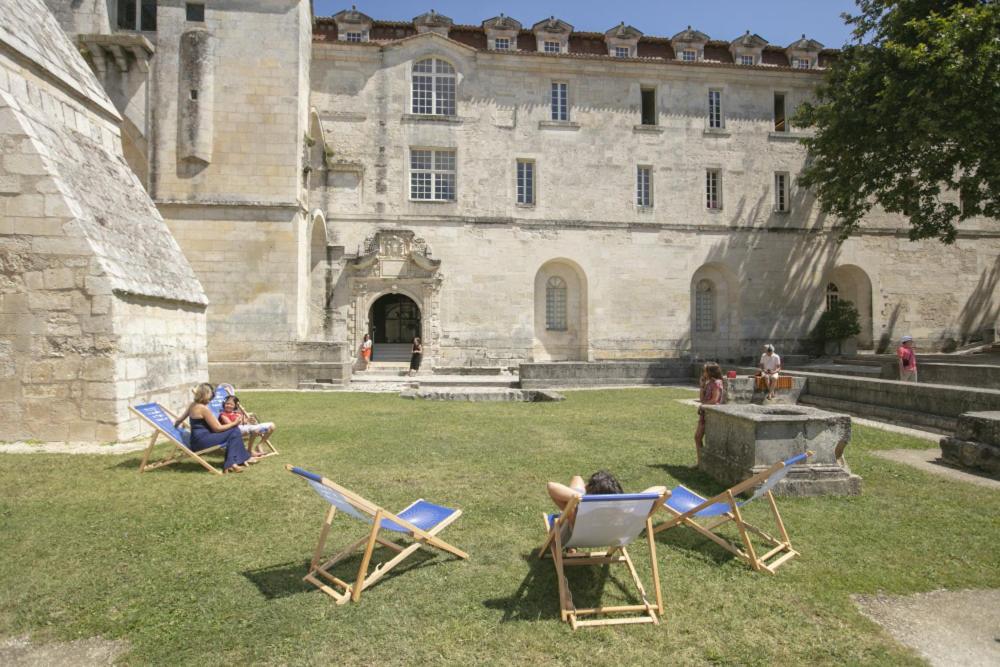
{"x": 779, "y": 22}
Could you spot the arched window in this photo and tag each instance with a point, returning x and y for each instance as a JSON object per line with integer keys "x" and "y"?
{"x": 704, "y": 306}
{"x": 832, "y": 295}
{"x": 433, "y": 87}
{"x": 555, "y": 304}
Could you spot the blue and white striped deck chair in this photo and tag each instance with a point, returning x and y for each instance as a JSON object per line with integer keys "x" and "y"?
{"x": 597, "y": 529}
{"x": 224, "y": 391}
{"x": 421, "y": 521}
{"x": 687, "y": 507}
{"x": 162, "y": 420}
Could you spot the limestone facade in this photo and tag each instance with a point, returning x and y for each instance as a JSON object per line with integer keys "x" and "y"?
{"x": 99, "y": 309}
{"x": 286, "y": 172}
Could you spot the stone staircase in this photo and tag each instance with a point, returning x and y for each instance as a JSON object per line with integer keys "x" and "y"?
{"x": 394, "y": 376}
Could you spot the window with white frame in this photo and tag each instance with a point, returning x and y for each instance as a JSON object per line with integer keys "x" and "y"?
{"x": 560, "y": 101}
{"x": 622, "y": 52}
{"x": 704, "y": 306}
{"x": 552, "y": 47}
{"x": 689, "y": 55}
{"x": 802, "y": 63}
{"x": 713, "y": 189}
{"x": 832, "y": 295}
{"x": 715, "y": 109}
{"x": 501, "y": 44}
{"x": 355, "y": 37}
{"x": 526, "y": 182}
{"x": 746, "y": 60}
{"x": 136, "y": 15}
{"x": 433, "y": 87}
{"x": 555, "y": 304}
{"x": 644, "y": 187}
{"x": 781, "y": 192}
{"x": 432, "y": 174}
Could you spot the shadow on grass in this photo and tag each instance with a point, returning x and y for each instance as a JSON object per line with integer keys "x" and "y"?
{"x": 182, "y": 464}
{"x": 286, "y": 579}
{"x": 537, "y": 597}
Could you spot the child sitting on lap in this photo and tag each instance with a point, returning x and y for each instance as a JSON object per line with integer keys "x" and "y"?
{"x": 231, "y": 409}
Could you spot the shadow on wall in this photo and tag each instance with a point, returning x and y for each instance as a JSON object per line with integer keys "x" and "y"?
{"x": 979, "y": 317}
{"x": 886, "y": 342}
{"x": 778, "y": 271}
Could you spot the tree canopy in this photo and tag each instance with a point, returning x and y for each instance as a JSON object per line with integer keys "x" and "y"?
{"x": 908, "y": 117}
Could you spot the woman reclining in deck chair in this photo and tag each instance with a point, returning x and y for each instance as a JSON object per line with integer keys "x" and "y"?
{"x": 206, "y": 431}
{"x": 600, "y": 483}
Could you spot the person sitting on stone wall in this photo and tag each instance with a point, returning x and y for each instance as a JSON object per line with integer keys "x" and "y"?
{"x": 232, "y": 410}
{"x": 770, "y": 364}
{"x": 712, "y": 393}
{"x": 206, "y": 431}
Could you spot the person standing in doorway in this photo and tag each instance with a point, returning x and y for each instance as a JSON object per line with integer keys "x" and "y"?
{"x": 770, "y": 364}
{"x": 907, "y": 360}
{"x": 415, "y": 355}
{"x": 366, "y": 351}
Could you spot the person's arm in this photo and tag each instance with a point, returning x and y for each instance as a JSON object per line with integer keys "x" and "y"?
{"x": 561, "y": 494}
{"x": 716, "y": 398}
{"x": 184, "y": 415}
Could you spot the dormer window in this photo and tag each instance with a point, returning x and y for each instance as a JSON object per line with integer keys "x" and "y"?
{"x": 501, "y": 44}
{"x": 747, "y": 60}
{"x": 552, "y": 47}
{"x": 689, "y": 55}
{"x": 622, "y": 41}
{"x": 747, "y": 49}
{"x": 803, "y": 53}
{"x": 352, "y": 25}
{"x": 355, "y": 37}
{"x": 689, "y": 45}
{"x": 801, "y": 63}
{"x": 622, "y": 52}
{"x": 552, "y": 35}
{"x": 501, "y": 33}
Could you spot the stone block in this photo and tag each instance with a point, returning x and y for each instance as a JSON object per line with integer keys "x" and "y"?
{"x": 59, "y": 278}
{"x": 741, "y": 440}
{"x": 744, "y": 390}
{"x": 979, "y": 426}
{"x": 971, "y": 454}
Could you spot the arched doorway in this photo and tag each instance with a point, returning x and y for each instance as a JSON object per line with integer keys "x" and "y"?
{"x": 394, "y": 321}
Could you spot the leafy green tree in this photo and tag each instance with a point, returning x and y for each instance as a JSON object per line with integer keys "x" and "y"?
{"x": 837, "y": 324}
{"x": 908, "y": 117}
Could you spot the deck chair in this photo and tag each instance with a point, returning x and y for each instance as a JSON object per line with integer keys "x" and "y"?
{"x": 162, "y": 420}
{"x": 609, "y": 523}
{"x": 224, "y": 391}
{"x": 420, "y": 521}
{"x": 687, "y": 508}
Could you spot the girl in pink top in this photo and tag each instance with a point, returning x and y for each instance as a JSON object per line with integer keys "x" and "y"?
{"x": 711, "y": 394}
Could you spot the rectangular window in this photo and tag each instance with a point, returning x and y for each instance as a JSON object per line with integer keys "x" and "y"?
{"x": 432, "y": 174}
{"x": 195, "y": 11}
{"x": 746, "y": 60}
{"x": 501, "y": 44}
{"x": 136, "y": 15}
{"x": 622, "y": 52}
{"x": 779, "y": 113}
{"x": 689, "y": 55}
{"x": 552, "y": 47}
{"x": 802, "y": 63}
{"x": 781, "y": 192}
{"x": 713, "y": 183}
{"x": 715, "y": 109}
{"x": 560, "y": 101}
{"x": 526, "y": 182}
{"x": 644, "y": 187}
{"x": 648, "y": 106}
{"x": 354, "y": 37}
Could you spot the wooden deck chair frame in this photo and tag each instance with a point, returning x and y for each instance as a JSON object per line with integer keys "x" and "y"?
{"x": 246, "y": 437}
{"x": 319, "y": 574}
{"x": 569, "y": 612}
{"x": 179, "y": 452}
{"x": 780, "y": 549}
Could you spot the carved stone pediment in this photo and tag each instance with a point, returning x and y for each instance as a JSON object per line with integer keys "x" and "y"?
{"x": 394, "y": 254}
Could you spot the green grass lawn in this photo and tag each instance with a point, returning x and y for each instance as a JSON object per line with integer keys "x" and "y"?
{"x": 192, "y": 568}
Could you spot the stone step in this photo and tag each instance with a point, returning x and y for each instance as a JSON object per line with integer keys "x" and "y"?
{"x": 430, "y": 380}
{"x": 853, "y": 370}
{"x": 921, "y": 420}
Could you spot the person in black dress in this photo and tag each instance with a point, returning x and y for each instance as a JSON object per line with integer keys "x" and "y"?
{"x": 206, "y": 431}
{"x": 415, "y": 356}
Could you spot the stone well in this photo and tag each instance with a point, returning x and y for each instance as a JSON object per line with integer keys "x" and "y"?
{"x": 742, "y": 440}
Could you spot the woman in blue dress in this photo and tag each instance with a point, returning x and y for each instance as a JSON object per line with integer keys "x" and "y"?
{"x": 207, "y": 431}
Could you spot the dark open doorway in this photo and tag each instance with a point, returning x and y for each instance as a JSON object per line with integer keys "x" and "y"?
{"x": 394, "y": 320}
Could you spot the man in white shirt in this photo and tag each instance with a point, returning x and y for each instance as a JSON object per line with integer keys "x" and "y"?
{"x": 770, "y": 364}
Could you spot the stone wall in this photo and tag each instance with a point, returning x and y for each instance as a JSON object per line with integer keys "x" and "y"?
{"x": 99, "y": 308}
{"x": 639, "y": 266}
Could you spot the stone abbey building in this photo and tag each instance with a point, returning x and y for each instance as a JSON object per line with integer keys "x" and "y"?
{"x": 509, "y": 192}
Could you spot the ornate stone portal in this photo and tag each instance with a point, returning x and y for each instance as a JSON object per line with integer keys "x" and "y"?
{"x": 395, "y": 262}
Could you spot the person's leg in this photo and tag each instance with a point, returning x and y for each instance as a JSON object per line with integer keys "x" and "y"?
{"x": 236, "y": 453}
{"x": 772, "y": 384}
{"x": 699, "y": 436}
